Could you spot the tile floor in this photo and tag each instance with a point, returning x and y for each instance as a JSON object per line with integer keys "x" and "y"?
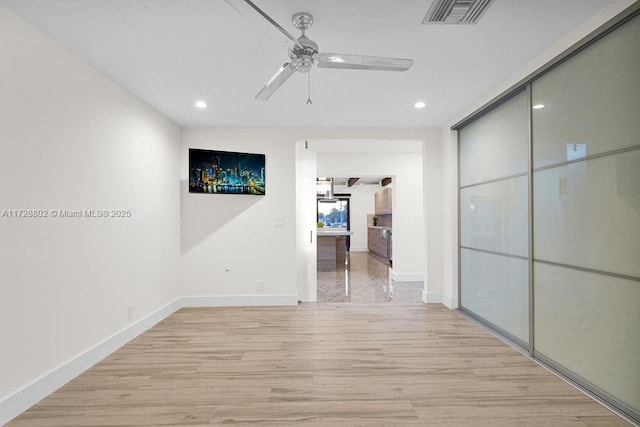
{"x": 364, "y": 280}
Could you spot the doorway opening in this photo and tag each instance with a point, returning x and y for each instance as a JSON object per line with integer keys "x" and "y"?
{"x": 358, "y": 169}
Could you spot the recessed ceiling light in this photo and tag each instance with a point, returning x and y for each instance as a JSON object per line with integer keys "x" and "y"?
{"x": 538, "y": 106}
{"x": 420, "y": 104}
{"x": 336, "y": 59}
{"x": 201, "y": 104}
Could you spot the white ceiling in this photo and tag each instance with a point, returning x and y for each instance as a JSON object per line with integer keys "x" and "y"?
{"x": 170, "y": 53}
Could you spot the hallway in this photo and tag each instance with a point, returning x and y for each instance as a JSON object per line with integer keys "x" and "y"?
{"x": 365, "y": 280}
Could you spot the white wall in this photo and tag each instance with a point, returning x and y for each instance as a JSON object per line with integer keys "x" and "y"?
{"x": 306, "y": 222}
{"x": 219, "y": 231}
{"x": 72, "y": 139}
{"x": 450, "y": 218}
{"x": 433, "y": 218}
{"x": 408, "y": 219}
{"x": 449, "y": 142}
{"x": 361, "y": 203}
{"x": 236, "y": 232}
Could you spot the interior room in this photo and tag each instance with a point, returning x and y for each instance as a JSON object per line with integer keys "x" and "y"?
{"x": 162, "y": 246}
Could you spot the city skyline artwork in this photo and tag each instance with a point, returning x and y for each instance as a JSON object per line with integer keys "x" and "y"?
{"x": 226, "y": 172}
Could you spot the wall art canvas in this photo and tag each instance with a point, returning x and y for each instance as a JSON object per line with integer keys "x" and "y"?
{"x": 226, "y": 172}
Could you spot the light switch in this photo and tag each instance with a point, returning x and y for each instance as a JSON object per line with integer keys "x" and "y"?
{"x": 278, "y": 221}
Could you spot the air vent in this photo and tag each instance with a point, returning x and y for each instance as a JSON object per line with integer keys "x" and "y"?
{"x": 456, "y": 11}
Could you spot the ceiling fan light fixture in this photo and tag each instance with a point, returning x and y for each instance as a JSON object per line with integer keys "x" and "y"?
{"x": 303, "y": 63}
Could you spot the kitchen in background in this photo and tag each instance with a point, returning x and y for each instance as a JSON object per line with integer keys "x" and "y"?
{"x": 333, "y": 231}
{"x": 380, "y": 224}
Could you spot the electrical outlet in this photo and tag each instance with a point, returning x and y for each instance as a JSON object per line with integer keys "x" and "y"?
{"x": 260, "y": 285}
{"x": 131, "y": 312}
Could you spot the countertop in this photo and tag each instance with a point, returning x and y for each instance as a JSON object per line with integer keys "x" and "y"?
{"x": 322, "y": 232}
{"x": 381, "y": 227}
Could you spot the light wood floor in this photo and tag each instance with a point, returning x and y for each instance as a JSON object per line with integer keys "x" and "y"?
{"x": 317, "y": 365}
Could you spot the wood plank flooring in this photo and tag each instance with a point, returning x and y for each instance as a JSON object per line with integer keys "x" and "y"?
{"x": 317, "y": 365}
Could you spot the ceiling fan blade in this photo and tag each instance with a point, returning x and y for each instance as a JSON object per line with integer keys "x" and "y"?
{"x": 238, "y": 5}
{"x": 362, "y": 62}
{"x": 274, "y": 83}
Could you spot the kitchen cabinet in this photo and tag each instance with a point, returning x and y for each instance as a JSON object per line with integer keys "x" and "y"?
{"x": 383, "y": 202}
{"x": 378, "y": 241}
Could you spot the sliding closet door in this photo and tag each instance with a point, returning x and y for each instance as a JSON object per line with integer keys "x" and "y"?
{"x": 571, "y": 137}
{"x": 586, "y": 180}
{"x": 494, "y": 218}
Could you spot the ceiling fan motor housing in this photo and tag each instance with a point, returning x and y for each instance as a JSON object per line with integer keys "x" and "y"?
{"x": 302, "y": 53}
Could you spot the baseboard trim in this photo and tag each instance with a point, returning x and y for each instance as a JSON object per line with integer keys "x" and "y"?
{"x": 24, "y": 398}
{"x": 431, "y": 297}
{"x": 352, "y": 249}
{"x": 407, "y": 277}
{"x": 238, "y": 300}
{"x": 448, "y": 302}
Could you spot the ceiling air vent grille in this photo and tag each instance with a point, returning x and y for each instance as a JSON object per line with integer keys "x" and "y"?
{"x": 456, "y": 11}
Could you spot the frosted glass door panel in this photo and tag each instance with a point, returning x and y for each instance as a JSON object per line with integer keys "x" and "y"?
{"x": 494, "y": 216}
{"x": 587, "y": 214}
{"x": 495, "y": 288}
{"x": 495, "y": 146}
{"x": 589, "y": 324}
{"x": 591, "y": 101}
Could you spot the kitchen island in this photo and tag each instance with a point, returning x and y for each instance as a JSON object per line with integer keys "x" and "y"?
{"x": 332, "y": 248}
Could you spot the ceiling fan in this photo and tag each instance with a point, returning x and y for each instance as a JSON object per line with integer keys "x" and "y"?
{"x": 304, "y": 54}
